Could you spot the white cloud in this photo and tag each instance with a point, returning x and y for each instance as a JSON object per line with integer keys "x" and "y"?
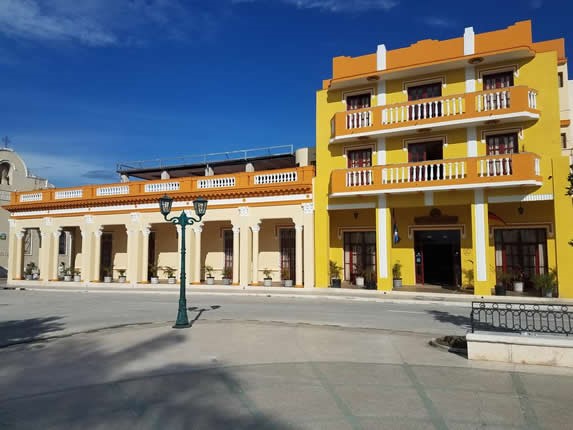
{"x": 436, "y": 21}
{"x": 337, "y": 5}
{"x": 96, "y": 22}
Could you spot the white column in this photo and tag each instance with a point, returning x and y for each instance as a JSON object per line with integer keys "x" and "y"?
{"x": 308, "y": 252}
{"x": 97, "y": 254}
{"x": 382, "y": 231}
{"x": 143, "y": 270}
{"x": 470, "y": 73}
{"x": 133, "y": 255}
{"x": 236, "y": 256}
{"x": 86, "y": 271}
{"x": 189, "y": 256}
{"x": 298, "y": 255}
{"x": 178, "y": 263}
{"x": 256, "y": 229}
{"x": 480, "y": 219}
{"x": 44, "y": 262}
{"x": 472, "y": 142}
{"x": 55, "y": 253}
{"x": 197, "y": 255}
{"x": 244, "y": 251}
{"x": 17, "y": 262}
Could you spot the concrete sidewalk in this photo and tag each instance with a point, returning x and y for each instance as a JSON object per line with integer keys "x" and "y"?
{"x": 323, "y": 293}
{"x": 270, "y": 376}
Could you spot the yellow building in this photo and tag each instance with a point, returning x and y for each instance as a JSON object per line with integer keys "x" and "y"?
{"x": 446, "y": 158}
{"x": 259, "y": 223}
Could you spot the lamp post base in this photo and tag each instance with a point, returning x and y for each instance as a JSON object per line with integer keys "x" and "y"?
{"x": 181, "y": 325}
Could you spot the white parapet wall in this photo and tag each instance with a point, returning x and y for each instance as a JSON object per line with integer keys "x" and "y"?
{"x": 521, "y": 349}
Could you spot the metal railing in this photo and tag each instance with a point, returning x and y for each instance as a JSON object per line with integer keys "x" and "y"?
{"x": 522, "y": 318}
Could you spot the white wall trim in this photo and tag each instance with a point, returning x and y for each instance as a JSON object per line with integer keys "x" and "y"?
{"x": 469, "y": 41}
{"x": 381, "y": 57}
{"x": 472, "y": 142}
{"x": 428, "y": 198}
{"x": 381, "y": 151}
{"x": 480, "y": 215}
{"x": 382, "y": 233}
{"x": 470, "y": 79}
{"x": 212, "y": 203}
{"x": 381, "y": 96}
{"x": 439, "y": 188}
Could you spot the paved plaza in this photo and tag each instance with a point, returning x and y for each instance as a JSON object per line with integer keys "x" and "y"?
{"x": 260, "y": 370}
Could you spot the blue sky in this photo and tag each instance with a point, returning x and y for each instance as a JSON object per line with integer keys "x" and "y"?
{"x": 85, "y": 84}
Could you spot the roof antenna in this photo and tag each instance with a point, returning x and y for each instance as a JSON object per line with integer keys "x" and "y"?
{"x": 6, "y": 141}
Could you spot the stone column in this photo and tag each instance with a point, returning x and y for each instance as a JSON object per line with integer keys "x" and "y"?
{"x": 133, "y": 255}
{"x": 145, "y": 232}
{"x": 44, "y": 255}
{"x": 16, "y": 268}
{"x": 86, "y": 269}
{"x": 198, "y": 229}
{"x": 97, "y": 254}
{"x": 244, "y": 256}
{"x": 298, "y": 256}
{"x": 383, "y": 243}
{"x": 55, "y": 248}
{"x": 308, "y": 251}
{"x": 189, "y": 256}
{"x": 236, "y": 256}
{"x": 255, "y": 229}
{"x": 177, "y": 266}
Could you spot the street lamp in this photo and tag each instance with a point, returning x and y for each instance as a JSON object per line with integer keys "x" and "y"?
{"x": 200, "y": 206}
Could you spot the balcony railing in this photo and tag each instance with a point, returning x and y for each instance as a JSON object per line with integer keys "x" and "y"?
{"x": 473, "y": 107}
{"x": 215, "y": 186}
{"x": 474, "y": 172}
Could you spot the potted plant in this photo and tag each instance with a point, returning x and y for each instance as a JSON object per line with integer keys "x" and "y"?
{"x": 227, "y": 275}
{"x": 268, "y": 279}
{"x": 334, "y": 270}
{"x": 29, "y": 271}
{"x": 107, "y": 274}
{"x": 518, "y": 279}
{"x": 503, "y": 279}
{"x": 397, "y": 274}
{"x": 68, "y": 273}
{"x": 370, "y": 279}
{"x": 209, "y": 275}
{"x": 121, "y": 273}
{"x": 62, "y": 271}
{"x": 546, "y": 283}
{"x": 286, "y": 278}
{"x": 359, "y": 275}
{"x": 153, "y": 269}
{"x": 170, "y": 272}
{"x": 77, "y": 275}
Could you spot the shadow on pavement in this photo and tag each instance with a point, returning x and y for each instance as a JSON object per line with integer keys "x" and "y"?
{"x": 79, "y": 383}
{"x": 446, "y": 317}
{"x": 29, "y": 329}
{"x": 200, "y": 312}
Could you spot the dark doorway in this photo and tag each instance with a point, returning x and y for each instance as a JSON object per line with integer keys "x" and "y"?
{"x": 228, "y": 248}
{"x": 150, "y": 254}
{"x": 106, "y": 264}
{"x": 437, "y": 257}
{"x": 360, "y": 256}
{"x": 287, "y": 244}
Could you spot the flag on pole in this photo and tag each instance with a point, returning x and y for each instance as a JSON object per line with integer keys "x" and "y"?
{"x": 395, "y": 235}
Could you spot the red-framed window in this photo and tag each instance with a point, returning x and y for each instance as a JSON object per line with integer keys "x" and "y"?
{"x": 494, "y": 81}
{"x": 359, "y": 254}
{"x": 498, "y": 144}
{"x": 359, "y": 101}
{"x": 359, "y": 158}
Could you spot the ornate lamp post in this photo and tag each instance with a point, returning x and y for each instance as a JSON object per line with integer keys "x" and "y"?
{"x": 200, "y": 206}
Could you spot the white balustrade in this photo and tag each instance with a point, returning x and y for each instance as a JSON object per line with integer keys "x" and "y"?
{"x": 161, "y": 186}
{"x": 423, "y": 110}
{"x": 35, "y": 197}
{"x": 439, "y": 171}
{"x": 532, "y": 98}
{"x": 495, "y": 167}
{"x": 359, "y": 178}
{"x": 216, "y": 183}
{"x": 276, "y": 178}
{"x": 69, "y": 194}
{"x": 358, "y": 119}
{"x": 494, "y": 100}
{"x": 115, "y": 190}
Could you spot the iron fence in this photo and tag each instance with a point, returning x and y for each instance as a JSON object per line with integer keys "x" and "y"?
{"x": 520, "y": 317}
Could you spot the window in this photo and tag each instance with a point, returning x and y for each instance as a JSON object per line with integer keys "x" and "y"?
{"x": 359, "y": 158}
{"x": 560, "y": 79}
{"x": 62, "y": 244}
{"x": 359, "y": 254}
{"x": 28, "y": 242}
{"x": 426, "y": 91}
{"x": 498, "y": 80}
{"x": 563, "y": 140}
{"x": 359, "y": 101}
{"x": 498, "y": 144}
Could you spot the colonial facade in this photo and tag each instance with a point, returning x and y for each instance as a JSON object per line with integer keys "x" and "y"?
{"x": 14, "y": 176}
{"x": 446, "y": 160}
{"x": 259, "y": 223}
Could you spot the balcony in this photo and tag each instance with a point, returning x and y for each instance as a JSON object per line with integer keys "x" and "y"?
{"x": 268, "y": 182}
{"x": 469, "y": 109}
{"x": 463, "y": 173}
